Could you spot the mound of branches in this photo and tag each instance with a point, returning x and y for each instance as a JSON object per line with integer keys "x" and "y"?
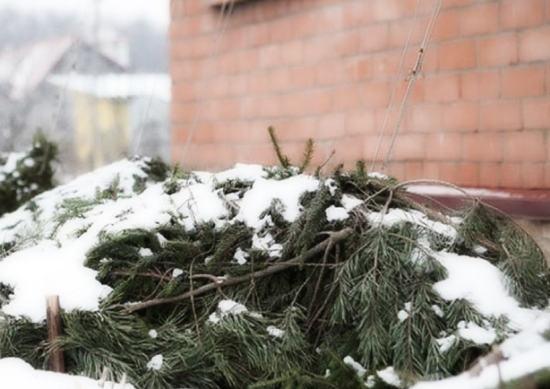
{"x": 24, "y": 175}
{"x": 290, "y": 302}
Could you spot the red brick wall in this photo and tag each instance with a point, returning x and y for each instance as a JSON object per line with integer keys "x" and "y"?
{"x": 479, "y": 114}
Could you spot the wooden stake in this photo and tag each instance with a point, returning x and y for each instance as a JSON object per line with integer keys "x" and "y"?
{"x": 53, "y": 321}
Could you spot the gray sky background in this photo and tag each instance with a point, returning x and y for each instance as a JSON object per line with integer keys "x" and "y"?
{"x": 118, "y": 11}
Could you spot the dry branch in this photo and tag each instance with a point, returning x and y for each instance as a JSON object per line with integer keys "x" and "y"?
{"x": 334, "y": 237}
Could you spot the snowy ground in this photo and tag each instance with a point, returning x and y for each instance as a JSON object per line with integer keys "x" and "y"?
{"x": 55, "y": 252}
{"x": 17, "y": 374}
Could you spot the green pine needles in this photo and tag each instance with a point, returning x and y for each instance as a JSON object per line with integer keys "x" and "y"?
{"x": 28, "y": 174}
{"x": 222, "y": 311}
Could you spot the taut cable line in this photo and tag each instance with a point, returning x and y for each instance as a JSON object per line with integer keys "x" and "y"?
{"x": 394, "y": 88}
{"x": 411, "y": 79}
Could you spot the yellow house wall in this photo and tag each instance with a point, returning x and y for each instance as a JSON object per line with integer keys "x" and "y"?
{"x": 102, "y": 130}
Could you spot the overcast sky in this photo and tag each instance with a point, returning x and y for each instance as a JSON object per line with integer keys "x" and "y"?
{"x": 155, "y": 11}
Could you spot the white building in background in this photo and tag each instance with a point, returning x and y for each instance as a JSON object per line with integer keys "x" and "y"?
{"x": 132, "y": 112}
{"x": 86, "y": 99}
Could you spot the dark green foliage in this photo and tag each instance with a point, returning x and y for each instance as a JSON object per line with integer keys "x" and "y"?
{"x": 33, "y": 174}
{"x": 371, "y": 296}
{"x": 308, "y": 155}
{"x": 287, "y": 169}
{"x": 156, "y": 170}
{"x": 368, "y": 294}
{"x": 73, "y": 208}
{"x": 377, "y": 192}
{"x": 23, "y": 339}
{"x": 512, "y": 249}
{"x": 283, "y": 159}
{"x": 304, "y": 232}
{"x": 341, "y": 374}
{"x": 93, "y": 340}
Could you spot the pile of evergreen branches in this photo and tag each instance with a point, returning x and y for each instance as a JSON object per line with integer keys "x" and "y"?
{"x": 291, "y": 302}
{"x": 24, "y": 175}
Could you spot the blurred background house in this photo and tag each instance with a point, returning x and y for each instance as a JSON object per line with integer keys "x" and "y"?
{"x": 31, "y": 102}
{"x": 477, "y": 116}
{"x": 114, "y": 115}
{"x": 97, "y": 95}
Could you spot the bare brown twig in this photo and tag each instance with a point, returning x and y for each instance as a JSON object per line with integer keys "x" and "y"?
{"x": 276, "y": 268}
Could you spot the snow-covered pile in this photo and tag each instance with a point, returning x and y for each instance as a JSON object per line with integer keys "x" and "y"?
{"x": 17, "y": 374}
{"x": 51, "y": 248}
{"x": 48, "y": 257}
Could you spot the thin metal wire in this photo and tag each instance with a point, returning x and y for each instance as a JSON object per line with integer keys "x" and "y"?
{"x": 394, "y": 87}
{"x": 411, "y": 80}
{"x": 221, "y": 26}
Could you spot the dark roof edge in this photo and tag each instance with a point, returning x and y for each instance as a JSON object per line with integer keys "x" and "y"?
{"x": 524, "y": 204}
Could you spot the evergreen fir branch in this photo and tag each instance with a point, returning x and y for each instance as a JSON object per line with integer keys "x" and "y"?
{"x": 93, "y": 340}
{"x": 358, "y": 289}
{"x": 292, "y": 235}
{"x": 283, "y": 159}
{"x": 238, "y": 234}
{"x": 33, "y": 174}
{"x": 24, "y": 339}
{"x": 308, "y": 155}
{"x": 278, "y": 267}
{"x": 527, "y": 272}
{"x": 305, "y": 230}
{"x": 341, "y": 374}
{"x": 313, "y": 300}
{"x": 315, "y": 219}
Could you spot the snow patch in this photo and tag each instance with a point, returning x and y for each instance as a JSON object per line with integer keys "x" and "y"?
{"x": 336, "y": 213}
{"x": 274, "y": 331}
{"x": 18, "y": 374}
{"x": 446, "y": 343}
{"x": 359, "y": 369}
{"x": 390, "y": 376}
{"x": 483, "y": 285}
{"x": 350, "y": 202}
{"x": 256, "y": 200}
{"x": 144, "y": 252}
{"x": 225, "y": 308}
{"x": 479, "y": 335}
{"x": 397, "y": 215}
{"x": 240, "y": 256}
{"x": 155, "y": 363}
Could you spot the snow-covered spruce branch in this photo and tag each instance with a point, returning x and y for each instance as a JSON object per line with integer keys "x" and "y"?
{"x": 334, "y": 237}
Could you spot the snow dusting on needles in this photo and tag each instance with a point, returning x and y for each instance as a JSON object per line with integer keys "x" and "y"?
{"x": 472, "y": 279}
{"x": 240, "y": 256}
{"x": 59, "y": 251}
{"x": 274, "y": 331}
{"x": 336, "y": 213}
{"x": 397, "y": 215}
{"x": 225, "y": 308}
{"x": 263, "y": 192}
{"x": 53, "y": 252}
{"x": 46, "y": 269}
{"x": 156, "y": 362}
{"x": 242, "y": 172}
{"x": 360, "y": 370}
